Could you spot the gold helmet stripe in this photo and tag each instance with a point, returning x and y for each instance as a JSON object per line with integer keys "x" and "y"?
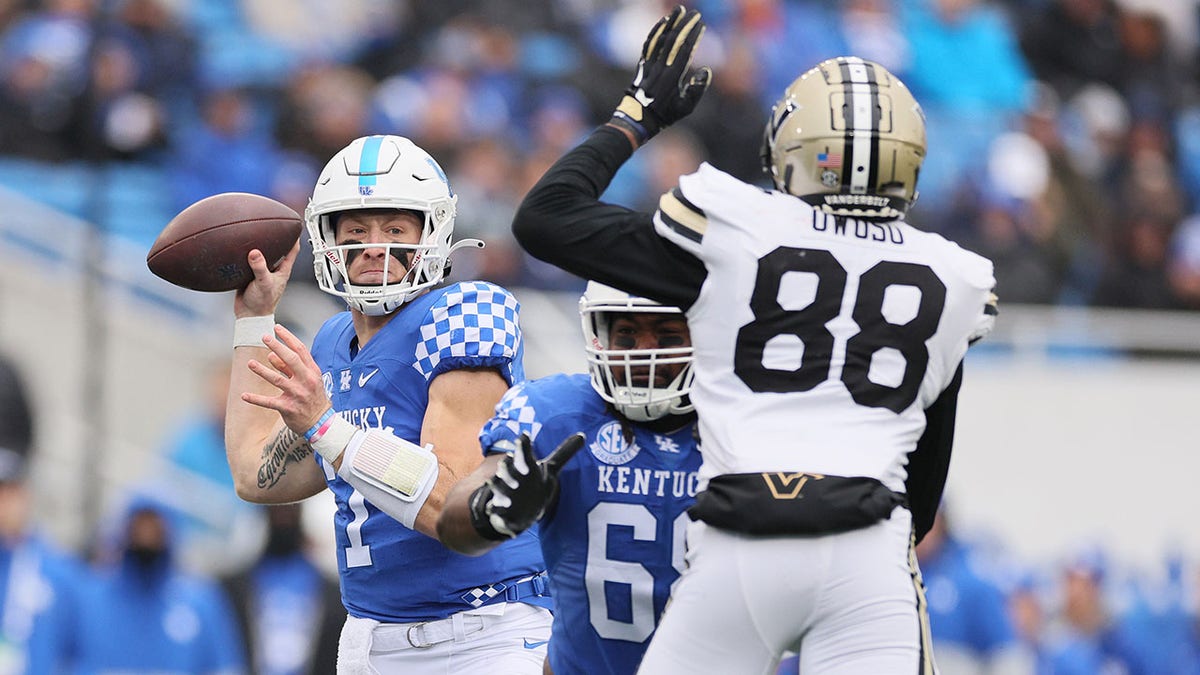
{"x": 862, "y": 130}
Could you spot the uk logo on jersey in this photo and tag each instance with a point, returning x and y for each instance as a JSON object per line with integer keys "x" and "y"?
{"x": 344, "y": 381}
{"x": 666, "y": 444}
{"x": 610, "y": 446}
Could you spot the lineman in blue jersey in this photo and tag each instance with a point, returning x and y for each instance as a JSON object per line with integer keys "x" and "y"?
{"x": 386, "y": 411}
{"x": 613, "y": 540}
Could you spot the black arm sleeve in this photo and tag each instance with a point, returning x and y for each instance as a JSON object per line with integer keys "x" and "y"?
{"x": 929, "y": 463}
{"x": 562, "y": 222}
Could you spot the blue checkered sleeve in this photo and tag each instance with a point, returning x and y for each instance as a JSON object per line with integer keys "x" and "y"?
{"x": 473, "y": 324}
{"x": 514, "y": 416}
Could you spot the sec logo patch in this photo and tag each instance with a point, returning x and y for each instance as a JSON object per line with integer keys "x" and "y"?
{"x": 610, "y": 446}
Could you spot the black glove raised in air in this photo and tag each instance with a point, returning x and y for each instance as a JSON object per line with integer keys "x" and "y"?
{"x": 662, "y": 92}
{"x": 521, "y": 491}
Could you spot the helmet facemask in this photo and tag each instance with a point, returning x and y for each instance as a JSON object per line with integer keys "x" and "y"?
{"x": 848, "y": 138}
{"x": 617, "y": 374}
{"x": 391, "y": 173}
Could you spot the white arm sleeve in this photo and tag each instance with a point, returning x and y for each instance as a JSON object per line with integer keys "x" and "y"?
{"x": 393, "y": 474}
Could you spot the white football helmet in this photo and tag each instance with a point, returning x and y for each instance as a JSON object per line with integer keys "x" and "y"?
{"x": 848, "y": 138}
{"x": 640, "y": 404}
{"x": 383, "y": 172}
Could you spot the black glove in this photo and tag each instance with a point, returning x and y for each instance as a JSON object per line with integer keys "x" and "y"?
{"x": 521, "y": 491}
{"x": 659, "y": 96}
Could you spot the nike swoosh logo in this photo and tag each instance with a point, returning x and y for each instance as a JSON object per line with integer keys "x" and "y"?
{"x": 327, "y": 179}
{"x": 363, "y": 378}
{"x": 534, "y": 645}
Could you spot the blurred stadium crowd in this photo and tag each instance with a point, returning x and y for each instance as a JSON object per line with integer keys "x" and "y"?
{"x": 1062, "y": 133}
{"x": 1064, "y": 144}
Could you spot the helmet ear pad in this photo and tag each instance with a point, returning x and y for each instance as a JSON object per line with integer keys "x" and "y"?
{"x": 849, "y": 138}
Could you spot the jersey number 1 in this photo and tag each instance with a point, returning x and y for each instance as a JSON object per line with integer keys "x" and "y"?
{"x": 809, "y": 326}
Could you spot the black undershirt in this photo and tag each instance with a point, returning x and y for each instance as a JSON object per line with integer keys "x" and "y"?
{"x": 562, "y": 222}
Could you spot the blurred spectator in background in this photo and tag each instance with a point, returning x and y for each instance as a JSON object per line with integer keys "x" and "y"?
{"x": 1159, "y": 625}
{"x": 730, "y": 121}
{"x": 1075, "y": 210}
{"x": 972, "y": 81}
{"x": 1151, "y": 77}
{"x": 225, "y": 150}
{"x": 1135, "y": 275}
{"x": 140, "y": 613}
{"x": 1183, "y": 264}
{"x": 1010, "y": 224}
{"x": 787, "y": 37}
{"x": 118, "y": 120}
{"x": 969, "y": 619}
{"x": 1027, "y": 607}
{"x": 324, "y": 31}
{"x": 308, "y": 121}
{"x": 214, "y": 531}
{"x": 39, "y": 584}
{"x": 166, "y": 50}
{"x": 44, "y": 56}
{"x": 676, "y": 152}
{"x": 143, "y": 78}
{"x": 1082, "y": 639}
{"x": 1071, "y": 43}
{"x": 289, "y": 612}
{"x": 487, "y": 201}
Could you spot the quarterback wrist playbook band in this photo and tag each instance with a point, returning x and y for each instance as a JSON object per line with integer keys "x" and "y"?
{"x": 248, "y": 331}
{"x": 395, "y": 475}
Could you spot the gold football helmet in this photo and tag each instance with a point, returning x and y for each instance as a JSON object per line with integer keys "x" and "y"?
{"x": 848, "y": 138}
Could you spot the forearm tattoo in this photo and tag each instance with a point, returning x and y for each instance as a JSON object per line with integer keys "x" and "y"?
{"x": 285, "y": 449}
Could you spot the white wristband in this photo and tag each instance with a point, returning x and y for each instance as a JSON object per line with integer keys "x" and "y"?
{"x": 330, "y": 444}
{"x": 248, "y": 331}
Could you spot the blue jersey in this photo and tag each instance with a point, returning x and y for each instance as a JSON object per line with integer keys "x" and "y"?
{"x": 967, "y": 610}
{"x": 165, "y": 622}
{"x": 39, "y": 606}
{"x": 614, "y": 544}
{"x": 389, "y": 572}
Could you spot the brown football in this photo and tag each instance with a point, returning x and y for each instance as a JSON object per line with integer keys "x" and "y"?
{"x": 204, "y": 248}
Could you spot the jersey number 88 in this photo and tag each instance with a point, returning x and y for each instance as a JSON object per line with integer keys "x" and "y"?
{"x": 809, "y": 325}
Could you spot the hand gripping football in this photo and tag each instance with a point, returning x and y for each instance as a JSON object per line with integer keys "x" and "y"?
{"x": 204, "y": 248}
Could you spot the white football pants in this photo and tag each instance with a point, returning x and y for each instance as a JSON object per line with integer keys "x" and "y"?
{"x": 849, "y": 603}
{"x": 500, "y": 639}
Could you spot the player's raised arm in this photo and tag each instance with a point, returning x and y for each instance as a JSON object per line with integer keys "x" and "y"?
{"x": 269, "y": 462}
{"x": 562, "y": 221}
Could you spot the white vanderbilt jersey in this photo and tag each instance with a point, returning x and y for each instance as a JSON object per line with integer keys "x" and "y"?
{"x": 819, "y": 342}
